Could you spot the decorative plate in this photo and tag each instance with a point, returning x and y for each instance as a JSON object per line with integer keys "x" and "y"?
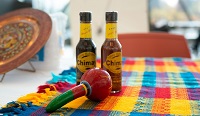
{"x": 22, "y": 34}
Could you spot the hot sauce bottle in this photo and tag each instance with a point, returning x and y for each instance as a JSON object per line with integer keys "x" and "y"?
{"x": 111, "y": 52}
{"x": 86, "y": 48}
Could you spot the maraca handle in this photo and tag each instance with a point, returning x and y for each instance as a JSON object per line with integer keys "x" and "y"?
{"x": 66, "y": 97}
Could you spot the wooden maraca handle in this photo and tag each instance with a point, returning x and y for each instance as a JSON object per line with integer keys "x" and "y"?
{"x": 66, "y": 97}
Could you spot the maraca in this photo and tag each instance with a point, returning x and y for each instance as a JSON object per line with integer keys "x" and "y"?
{"x": 95, "y": 84}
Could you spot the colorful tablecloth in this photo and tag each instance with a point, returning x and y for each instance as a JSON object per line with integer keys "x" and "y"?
{"x": 151, "y": 86}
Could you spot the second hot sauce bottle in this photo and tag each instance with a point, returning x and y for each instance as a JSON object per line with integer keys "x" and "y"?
{"x": 111, "y": 52}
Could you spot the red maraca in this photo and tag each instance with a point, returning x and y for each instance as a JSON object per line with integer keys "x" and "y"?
{"x": 95, "y": 84}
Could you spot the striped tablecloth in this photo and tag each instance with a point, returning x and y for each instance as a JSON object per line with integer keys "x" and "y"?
{"x": 151, "y": 86}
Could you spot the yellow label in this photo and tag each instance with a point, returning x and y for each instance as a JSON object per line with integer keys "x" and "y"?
{"x": 85, "y": 30}
{"x": 85, "y": 61}
{"x": 111, "y": 30}
{"x": 114, "y": 62}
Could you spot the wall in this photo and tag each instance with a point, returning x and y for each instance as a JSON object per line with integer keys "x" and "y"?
{"x": 132, "y": 17}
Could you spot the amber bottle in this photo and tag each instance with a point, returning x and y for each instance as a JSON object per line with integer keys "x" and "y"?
{"x": 86, "y": 48}
{"x": 111, "y": 52}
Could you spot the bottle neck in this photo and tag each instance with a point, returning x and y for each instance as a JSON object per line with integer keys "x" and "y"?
{"x": 85, "y": 30}
{"x": 111, "y": 30}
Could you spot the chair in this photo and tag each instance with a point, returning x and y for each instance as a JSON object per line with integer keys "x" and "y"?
{"x": 154, "y": 44}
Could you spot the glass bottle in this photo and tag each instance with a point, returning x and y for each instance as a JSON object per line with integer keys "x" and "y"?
{"x": 111, "y": 52}
{"x": 86, "y": 48}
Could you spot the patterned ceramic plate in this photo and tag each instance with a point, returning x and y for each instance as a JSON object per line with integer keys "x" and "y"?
{"x": 22, "y": 34}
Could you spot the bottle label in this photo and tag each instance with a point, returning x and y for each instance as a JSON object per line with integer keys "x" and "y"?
{"x": 85, "y": 30}
{"x": 114, "y": 62}
{"x": 85, "y": 61}
{"x": 111, "y": 30}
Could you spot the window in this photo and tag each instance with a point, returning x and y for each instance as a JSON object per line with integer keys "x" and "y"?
{"x": 175, "y": 16}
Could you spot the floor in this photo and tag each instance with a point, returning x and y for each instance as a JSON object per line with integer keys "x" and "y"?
{"x": 18, "y": 83}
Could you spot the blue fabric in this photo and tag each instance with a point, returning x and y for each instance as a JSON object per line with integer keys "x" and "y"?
{"x": 66, "y": 76}
{"x": 14, "y": 108}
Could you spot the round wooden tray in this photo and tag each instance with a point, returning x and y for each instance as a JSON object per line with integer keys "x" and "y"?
{"x": 22, "y": 34}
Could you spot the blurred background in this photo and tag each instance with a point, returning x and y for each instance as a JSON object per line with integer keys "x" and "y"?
{"x": 172, "y": 16}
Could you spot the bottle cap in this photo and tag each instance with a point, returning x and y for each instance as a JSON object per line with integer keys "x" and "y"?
{"x": 85, "y": 16}
{"x": 111, "y": 16}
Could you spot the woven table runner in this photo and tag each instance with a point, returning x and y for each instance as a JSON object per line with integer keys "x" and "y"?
{"x": 151, "y": 86}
